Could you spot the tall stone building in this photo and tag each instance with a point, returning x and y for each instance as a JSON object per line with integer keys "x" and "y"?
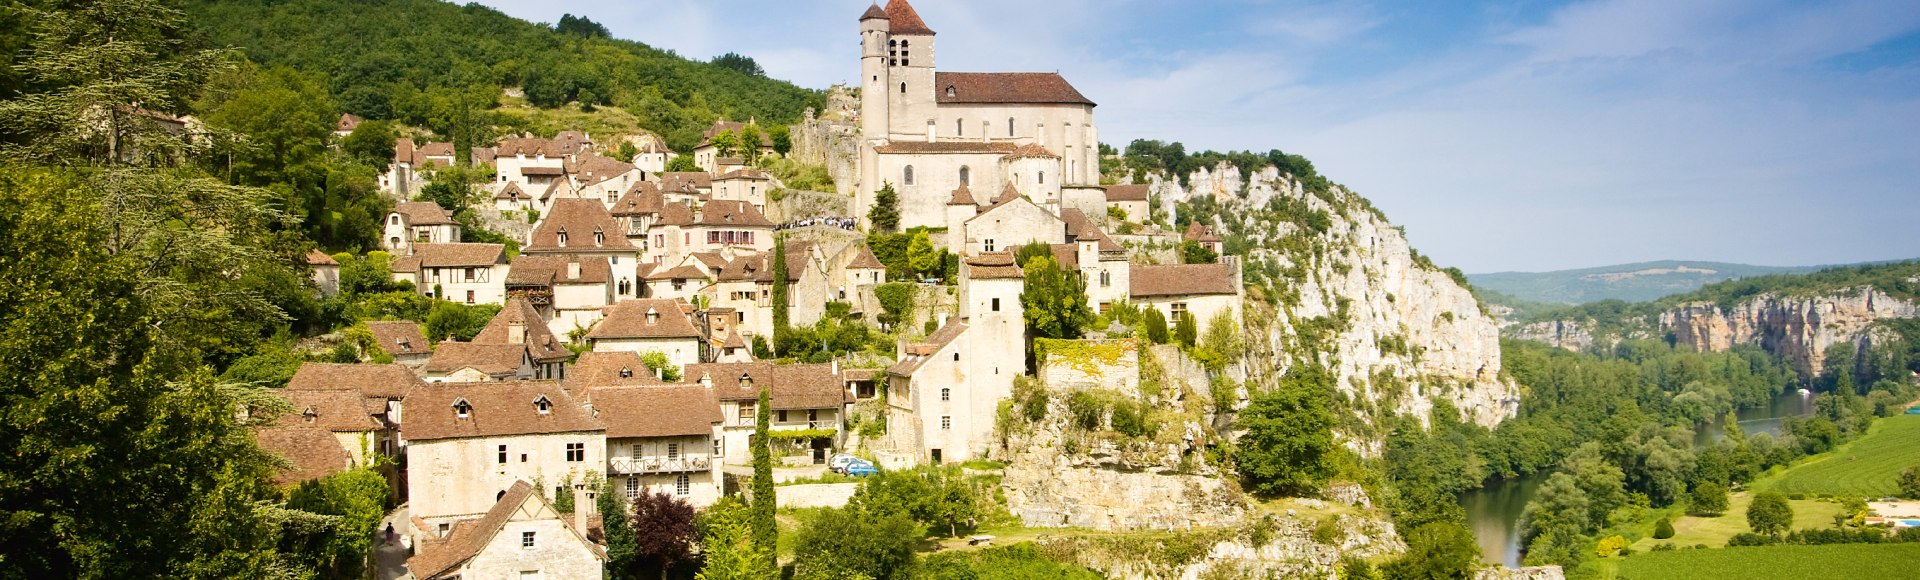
{"x": 927, "y": 133}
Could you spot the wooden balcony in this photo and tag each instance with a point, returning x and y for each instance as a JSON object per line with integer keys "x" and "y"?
{"x": 648, "y": 465}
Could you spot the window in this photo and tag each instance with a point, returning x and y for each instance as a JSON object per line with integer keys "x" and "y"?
{"x": 718, "y": 451}
{"x": 638, "y": 450}
{"x": 599, "y": 237}
{"x": 987, "y": 244}
{"x": 526, "y": 539}
{"x": 394, "y": 219}
{"x": 462, "y": 409}
{"x": 949, "y": 90}
{"x": 562, "y": 237}
{"x": 956, "y": 356}
{"x": 1106, "y": 279}
{"x": 503, "y": 454}
{"x": 673, "y": 451}
{"x": 633, "y": 487}
{"x": 682, "y": 485}
{"x": 906, "y": 175}
{"x": 946, "y": 423}
{"x": 444, "y": 528}
{"x": 1009, "y": 126}
{"x": 1043, "y": 178}
{"x": 542, "y": 405}
{"x": 780, "y": 416}
{"x": 469, "y": 296}
{"x": 965, "y": 174}
{"x": 1179, "y": 308}
{"x": 576, "y": 452}
{"x": 469, "y": 274}
{"x": 903, "y": 88}
{"x": 746, "y": 412}
{"x": 946, "y": 394}
{"x": 996, "y": 305}
{"x": 959, "y": 127}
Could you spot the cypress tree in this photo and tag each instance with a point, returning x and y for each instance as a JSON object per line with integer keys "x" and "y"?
{"x": 780, "y": 316}
{"x": 766, "y": 534}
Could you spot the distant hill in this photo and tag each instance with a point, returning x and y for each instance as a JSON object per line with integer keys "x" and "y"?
{"x": 1639, "y": 282}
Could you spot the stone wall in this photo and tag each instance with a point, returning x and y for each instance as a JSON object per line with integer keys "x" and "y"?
{"x": 1112, "y": 365}
{"x": 815, "y": 495}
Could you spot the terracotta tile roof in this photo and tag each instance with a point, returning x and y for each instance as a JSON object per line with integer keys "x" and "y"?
{"x": 529, "y": 270}
{"x": 798, "y": 386}
{"x": 748, "y": 268}
{"x": 748, "y": 174}
{"x": 436, "y": 559}
{"x": 722, "y": 213}
{"x": 608, "y": 369}
{"x": 1007, "y": 194}
{"x": 338, "y": 411}
{"x": 1200, "y": 233}
{"x": 643, "y": 197}
{"x": 539, "y": 341}
{"x": 734, "y": 340}
{"x": 399, "y": 337}
{"x": 1182, "y": 280}
{"x": 406, "y": 265}
{"x": 390, "y": 381}
{"x": 992, "y": 265}
{"x": 864, "y": 258}
{"x": 712, "y": 260}
{"x": 482, "y": 155}
{"x": 918, "y": 352}
{"x": 1033, "y": 150}
{"x": 319, "y": 258}
{"x": 498, "y": 408}
{"x": 962, "y": 196}
{"x": 655, "y": 411}
{"x": 685, "y": 181}
{"x": 496, "y": 360}
{"x": 542, "y": 170}
{"x": 423, "y": 213}
{"x": 1133, "y": 192}
{"x": 873, "y": 12}
{"x": 860, "y": 374}
{"x": 451, "y": 255}
{"x": 1079, "y": 228}
{"x": 681, "y": 272}
{"x": 901, "y": 19}
{"x": 314, "y": 453}
{"x": 512, "y": 191}
{"x": 1000, "y": 147}
{"x": 556, "y": 188}
{"x": 528, "y": 146}
{"x": 348, "y": 122}
{"x": 1067, "y": 255}
{"x": 725, "y": 161}
{"x": 403, "y": 150}
{"x": 629, "y": 319}
{"x": 1005, "y": 88}
{"x": 580, "y": 219}
{"x": 593, "y": 169}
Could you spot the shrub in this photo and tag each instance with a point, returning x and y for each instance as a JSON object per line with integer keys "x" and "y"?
{"x": 1088, "y": 410}
{"x": 1709, "y": 499}
{"x": 1156, "y": 324}
{"x": 1662, "y": 529}
{"x": 1910, "y": 482}
{"x": 1610, "y": 547}
{"x": 1327, "y": 531}
{"x": 1769, "y": 514}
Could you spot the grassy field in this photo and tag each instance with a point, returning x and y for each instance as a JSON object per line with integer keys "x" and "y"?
{"x": 1784, "y": 562}
{"x": 1690, "y": 530}
{"x": 1866, "y": 467}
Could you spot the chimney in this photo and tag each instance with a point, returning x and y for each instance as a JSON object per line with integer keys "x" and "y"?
{"x": 516, "y": 332}
{"x": 582, "y": 499}
{"x": 573, "y": 270}
{"x": 706, "y": 380}
{"x": 836, "y": 367}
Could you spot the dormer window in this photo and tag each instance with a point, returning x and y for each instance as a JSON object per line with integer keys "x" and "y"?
{"x": 406, "y": 345}
{"x": 561, "y": 237}
{"x": 949, "y": 90}
{"x": 462, "y": 409}
{"x": 599, "y": 237}
{"x": 626, "y": 372}
{"x": 746, "y": 381}
{"x": 542, "y": 405}
{"x": 653, "y": 316}
{"x": 310, "y": 414}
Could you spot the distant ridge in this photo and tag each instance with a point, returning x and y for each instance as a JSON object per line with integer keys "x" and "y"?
{"x": 1637, "y": 282}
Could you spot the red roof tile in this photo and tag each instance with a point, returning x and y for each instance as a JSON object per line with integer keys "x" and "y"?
{"x": 1003, "y": 88}
{"x": 497, "y": 408}
{"x": 901, "y": 19}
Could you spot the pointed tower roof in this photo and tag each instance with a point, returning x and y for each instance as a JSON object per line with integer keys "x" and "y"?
{"x": 1006, "y": 195}
{"x": 903, "y": 20}
{"x": 874, "y": 11}
{"x": 962, "y": 196}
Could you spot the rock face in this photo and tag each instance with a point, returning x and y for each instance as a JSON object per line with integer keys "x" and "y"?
{"x": 1280, "y": 546}
{"x": 1398, "y": 332}
{"x": 1568, "y": 334}
{"x": 1798, "y": 329}
{"x": 830, "y": 138}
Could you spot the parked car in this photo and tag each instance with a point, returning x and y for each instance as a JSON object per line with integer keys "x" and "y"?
{"x": 838, "y": 463}
{"x": 861, "y": 468}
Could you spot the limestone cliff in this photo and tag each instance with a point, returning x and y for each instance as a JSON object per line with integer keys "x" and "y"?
{"x": 1338, "y": 284}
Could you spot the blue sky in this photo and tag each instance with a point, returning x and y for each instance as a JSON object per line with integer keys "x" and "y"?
{"x": 1505, "y": 135}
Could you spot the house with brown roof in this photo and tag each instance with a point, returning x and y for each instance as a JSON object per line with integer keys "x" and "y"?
{"x": 569, "y": 292}
{"x": 661, "y": 439}
{"x": 944, "y": 392}
{"x": 748, "y": 185}
{"x": 710, "y": 153}
{"x": 402, "y": 340}
{"x": 359, "y": 404}
{"x": 1204, "y": 291}
{"x": 708, "y": 227}
{"x": 582, "y": 227}
{"x": 412, "y": 163}
{"x": 810, "y": 397}
{"x": 519, "y": 324}
{"x": 678, "y": 280}
{"x": 601, "y": 178}
{"x": 311, "y": 452}
{"x": 347, "y": 123}
{"x": 1101, "y": 262}
{"x": 1133, "y": 199}
{"x": 1011, "y": 222}
{"x": 686, "y": 186}
{"x": 468, "y": 443}
{"x": 649, "y": 325}
{"x": 418, "y": 222}
{"x": 533, "y": 163}
{"x": 460, "y": 272}
{"x": 858, "y": 267}
{"x": 651, "y": 153}
{"x": 466, "y": 362}
{"x": 1200, "y": 233}
{"x": 326, "y": 272}
{"x": 522, "y": 535}
{"x": 926, "y": 132}
{"x": 609, "y": 369}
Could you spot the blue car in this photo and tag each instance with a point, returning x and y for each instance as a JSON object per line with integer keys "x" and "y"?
{"x": 861, "y": 468}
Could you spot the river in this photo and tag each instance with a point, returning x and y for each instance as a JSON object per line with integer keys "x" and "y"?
{"x": 1493, "y": 512}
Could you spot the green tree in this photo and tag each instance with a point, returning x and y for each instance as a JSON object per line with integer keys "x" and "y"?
{"x": 1708, "y": 499}
{"x": 1555, "y": 520}
{"x": 1662, "y": 529}
{"x": 372, "y": 143}
{"x": 766, "y": 532}
{"x": 936, "y": 497}
{"x": 845, "y": 543}
{"x": 1769, "y": 514}
{"x": 740, "y": 63}
{"x": 727, "y": 547}
{"x": 885, "y": 214}
{"x": 921, "y": 257}
{"x": 358, "y": 500}
{"x": 780, "y": 314}
{"x": 1221, "y": 346}
{"x": 1185, "y": 329}
{"x": 1436, "y": 551}
{"x": 1054, "y": 301}
{"x": 1910, "y": 482}
{"x": 1156, "y": 324}
{"x": 1288, "y": 435}
{"x": 617, "y": 531}
{"x": 682, "y": 164}
{"x": 1192, "y": 252}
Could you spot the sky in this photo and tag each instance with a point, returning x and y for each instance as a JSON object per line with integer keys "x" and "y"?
{"x": 1504, "y": 135}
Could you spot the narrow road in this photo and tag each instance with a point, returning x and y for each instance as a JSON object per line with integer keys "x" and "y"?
{"x": 390, "y": 558}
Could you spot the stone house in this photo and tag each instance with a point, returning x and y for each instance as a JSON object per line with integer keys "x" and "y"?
{"x": 377, "y": 392}
{"x": 521, "y": 536}
{"x": 686, "y": 229}
{"x": 402, "y": 340}
{"x": 601, "y": 178}
{"x": 637, "y": 211}
{"x": 649, "y": 325}
{"x": 651, "y": 153}
{"x": 661, "y": 439}
{"x": 465, "y": 362}
{"x": 860, "y": 268}
{"x": 459, "y": 272}
{"x": 747, "y": 185}
{"x": 680, "y": 280}
{"x": 519, "y": 324}
{"x": 707, "y": 155}
{"x": 1101, "y": 262}
{"x": 583, "y": 228}
{"x": 418, "y": 222}
{"x": 1203, "y": 290}
{"x": 570, "y": 292}
{"x": 312, "y": 452}
{"x": 1132, "y": 199}
{"x": 1197, "y": 232}
{"x": 532, "y": 163}
{"x": 326, "y": 272}
{"x": 1012, "y": 221}
{"x": 407, "y": 173}
{"x": 609, "y": 369}
{"x": 345, "y": 126}
{"x": 805, "y": 397}
{"x": 686, "y": 186}
{"x": 944, "y": 393}
{"x": 468, "y": 443}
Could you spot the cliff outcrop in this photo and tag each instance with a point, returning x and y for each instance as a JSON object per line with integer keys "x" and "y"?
{"x": 1798, "y": 329}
